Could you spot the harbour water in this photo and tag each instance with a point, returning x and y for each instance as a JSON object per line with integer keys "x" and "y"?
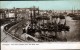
{"x": 74, "y": 33}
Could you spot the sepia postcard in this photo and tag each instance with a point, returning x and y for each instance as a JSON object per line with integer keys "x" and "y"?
{"x": 40, "y": 24}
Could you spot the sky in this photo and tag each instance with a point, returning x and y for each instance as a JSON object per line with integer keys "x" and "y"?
{"x": 45, "y": 5}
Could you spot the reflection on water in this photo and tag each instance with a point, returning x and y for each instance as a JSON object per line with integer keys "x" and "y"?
{"x": 74, "y": 33}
